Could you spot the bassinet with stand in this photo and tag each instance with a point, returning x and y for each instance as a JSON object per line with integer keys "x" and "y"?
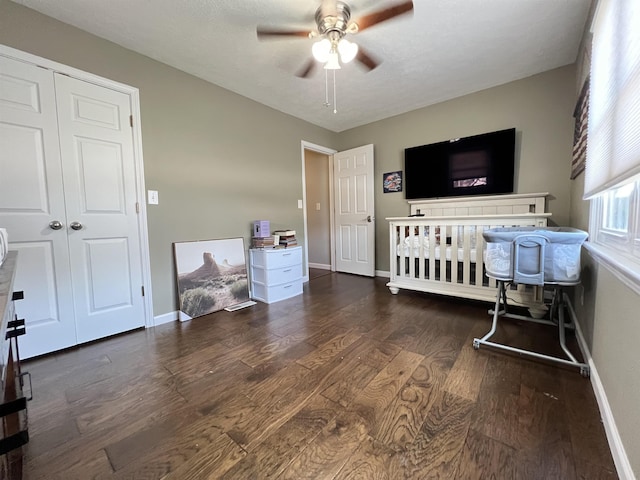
{"x": 548, "y": 257}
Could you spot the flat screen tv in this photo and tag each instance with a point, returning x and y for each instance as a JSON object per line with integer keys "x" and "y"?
{"x": 477, "y": 165}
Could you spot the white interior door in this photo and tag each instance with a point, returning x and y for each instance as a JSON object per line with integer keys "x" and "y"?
{"x": 31, "y": 198}
{"x": 96, "y": 144}
{"x": 354, "y": 211}
{"x": 66, "y": 160}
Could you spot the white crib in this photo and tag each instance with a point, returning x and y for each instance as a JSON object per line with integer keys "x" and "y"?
{"x": 442, "y": 251}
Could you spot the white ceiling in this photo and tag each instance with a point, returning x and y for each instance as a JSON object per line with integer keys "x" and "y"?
{"x": 445, "y": 49}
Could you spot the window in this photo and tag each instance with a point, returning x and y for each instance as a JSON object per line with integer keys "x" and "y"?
{"x": 612, "y": 174}
{"x": 616, "y": 220}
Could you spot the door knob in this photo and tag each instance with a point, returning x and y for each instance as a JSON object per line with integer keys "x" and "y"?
{"x": 76, "y": 225}
{"x": 55, "y": 225}
{"x": 369, "y": 218}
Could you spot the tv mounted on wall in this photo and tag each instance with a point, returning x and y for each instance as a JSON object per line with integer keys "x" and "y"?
{"x": 477, "y": 165}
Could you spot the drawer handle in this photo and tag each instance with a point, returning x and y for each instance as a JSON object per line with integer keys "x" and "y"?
{"x": 286, "y": 271}
{"x": 286, "y": 254}
{"x": 288, "y": 286}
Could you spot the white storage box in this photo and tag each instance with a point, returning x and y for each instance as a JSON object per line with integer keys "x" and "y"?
{"x": 276, "y": 258}
{"x": 275, "y": 293}
{"x": 560, "y": 257}
{"x": 276, "y": 274}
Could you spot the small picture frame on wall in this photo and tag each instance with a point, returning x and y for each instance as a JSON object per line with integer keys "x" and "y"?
{"x": 392, "y": 182}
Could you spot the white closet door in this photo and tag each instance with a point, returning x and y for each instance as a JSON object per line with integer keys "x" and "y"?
{"x": 67, "y": 159}
{"x": 31, "y": 198}
{"x": 96, "y": 144}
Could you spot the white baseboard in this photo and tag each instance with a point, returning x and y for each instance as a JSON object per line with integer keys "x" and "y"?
{"x": 320, "y": 266}
{"x": 165, "y": 318}
{"x": 618, "y": 452}
{"x": 377, "y": 273}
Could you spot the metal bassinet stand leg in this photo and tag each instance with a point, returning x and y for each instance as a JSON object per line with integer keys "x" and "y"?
{"x": 556, "y": 318}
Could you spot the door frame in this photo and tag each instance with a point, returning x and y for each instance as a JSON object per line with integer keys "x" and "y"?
{"x": 326, "y": 151}
{"x": 134, "y": 95}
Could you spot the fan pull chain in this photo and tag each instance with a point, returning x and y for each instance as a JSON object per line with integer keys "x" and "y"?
{"x": 326, "y": 88}
{"x": 335, "y": 105}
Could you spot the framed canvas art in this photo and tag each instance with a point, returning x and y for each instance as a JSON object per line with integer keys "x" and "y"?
{"x": 210, "y": 275}
{"x": 392, "y": 182}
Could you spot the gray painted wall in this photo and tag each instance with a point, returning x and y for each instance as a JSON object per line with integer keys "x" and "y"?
{"x": 218, "y": 160}
{"x": 539, "y": 107}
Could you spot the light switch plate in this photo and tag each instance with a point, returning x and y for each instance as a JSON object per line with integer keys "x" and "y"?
{"x": 152, "y": 196}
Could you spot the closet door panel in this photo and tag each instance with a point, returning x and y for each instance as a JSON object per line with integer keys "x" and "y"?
{"x": 100, "y": 191}
{"x": 101, "y": 178}
{"x": 108, "y": 277}
{"x": 31, "y": 199}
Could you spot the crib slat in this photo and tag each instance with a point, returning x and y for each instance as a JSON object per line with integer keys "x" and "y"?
{"x": 421, "y": 262}
{"x": 412, "y": 259}
{"x": 454, "y": 254}
{"x": 443, "y": 252}
{"x": 466, "y": 266}
{"x": 432, "y": 252}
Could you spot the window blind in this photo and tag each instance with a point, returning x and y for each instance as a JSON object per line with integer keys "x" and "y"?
{"x": 613, "y": 143}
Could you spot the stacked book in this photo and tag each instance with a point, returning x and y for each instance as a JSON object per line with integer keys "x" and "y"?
{"x": 286, "y": 238}
{"x": 262, "y": 242}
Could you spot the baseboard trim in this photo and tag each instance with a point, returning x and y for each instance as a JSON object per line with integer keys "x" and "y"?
{"x": 382, "y": 273}
{"x": 618, "y": 452}
{"x": 320, "y": 266}
{"x": 165, "y": 318}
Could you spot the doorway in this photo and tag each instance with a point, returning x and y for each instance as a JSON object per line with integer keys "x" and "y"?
{"x": 318, "y": 209}
{"x": 317, "y": 182}
{"x": 343, "y": 181}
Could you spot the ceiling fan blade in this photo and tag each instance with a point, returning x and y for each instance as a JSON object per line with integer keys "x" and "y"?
{"x": 384, "y": 15}
{"x": 308, "y": 69}
{"x": 366, "y": 60}
{"x": 264, "y": 33}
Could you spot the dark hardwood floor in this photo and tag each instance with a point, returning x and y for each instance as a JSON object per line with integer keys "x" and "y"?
{"x": 344, "y": 382}
{"x": 318, "y": 272}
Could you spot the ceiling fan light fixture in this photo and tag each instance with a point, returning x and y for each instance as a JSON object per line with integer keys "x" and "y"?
{"x": 321, "y": 50}
{"x": 333, "y": 62}
{"x": 347, "y": 50}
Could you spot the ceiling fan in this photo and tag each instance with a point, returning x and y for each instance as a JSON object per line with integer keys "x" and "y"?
{"x": 333, "y": 24}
